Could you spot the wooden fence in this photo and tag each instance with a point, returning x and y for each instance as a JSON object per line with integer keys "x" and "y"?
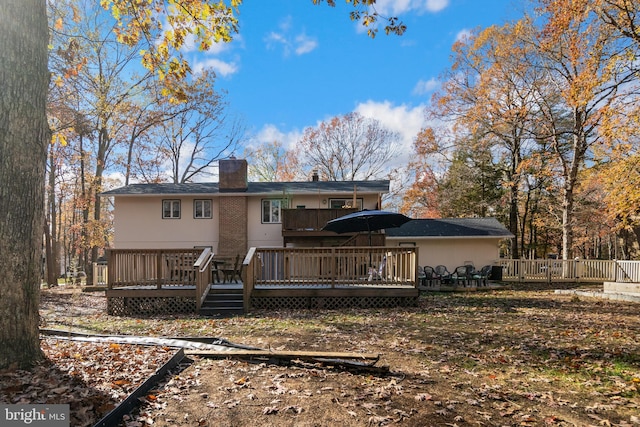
{"x": 576, "y": 270}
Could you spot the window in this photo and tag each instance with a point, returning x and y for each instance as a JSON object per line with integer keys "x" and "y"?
{"x": 344, "y": 203}
{"x": 271, "y": 210}
{"x": 171, "y": 209}
{"x": 202, "y": 208}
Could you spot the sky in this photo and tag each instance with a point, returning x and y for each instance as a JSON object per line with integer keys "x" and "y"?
{"x": 295, "y": 64}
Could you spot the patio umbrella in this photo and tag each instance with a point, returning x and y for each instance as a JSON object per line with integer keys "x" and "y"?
{"x": 366, "y": 220}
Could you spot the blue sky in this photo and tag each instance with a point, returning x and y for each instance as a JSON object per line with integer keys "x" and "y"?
{"x": 295, "y": 64}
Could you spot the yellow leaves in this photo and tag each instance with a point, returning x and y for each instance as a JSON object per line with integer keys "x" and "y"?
{"x": 241, "y": 381}
{"x": 58, "y": 138}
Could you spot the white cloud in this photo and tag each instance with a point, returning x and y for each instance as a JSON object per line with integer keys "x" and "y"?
{"x": 220, "y": 67}
{"x": 425, "y": 86}
{"x": 304, "y": 44}
{"x": 399, "y": 7}
{"x": 436, "y": 5}
{"x": 405, "y": 120}
{"x": 299, "y": 44}
{"x": 270, "y": 133}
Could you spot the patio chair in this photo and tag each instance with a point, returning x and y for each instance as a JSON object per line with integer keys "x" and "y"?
{"x": 422, "y": 278}
{"x": 460, "y": 274}
{"x": 232, "y": 272}
{"x": 443, "y": 273}
{"x": 431, "y": 277}
{"x": 378, "y": 274}
{"x": 482, "y": 276}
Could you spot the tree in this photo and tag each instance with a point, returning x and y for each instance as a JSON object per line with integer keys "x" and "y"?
{"x": 581, "y": 58}
{"x": 485, "y": 106}
{"x": 271, "y": 162}
{"x": 472, "y": 185}
{"x": 198, "y": 132}
{"x": 23, "y": 140}
{"x": 348, "y": 148}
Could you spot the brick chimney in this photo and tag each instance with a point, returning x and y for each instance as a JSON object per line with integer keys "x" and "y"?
{"x": 232, "y": 216}
{"x": 233, "y": 174}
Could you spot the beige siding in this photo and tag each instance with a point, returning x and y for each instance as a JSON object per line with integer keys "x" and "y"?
{"x": 139, "y": 225}
{"x": 259, "y": 234}
{"x": 452, "y": 252}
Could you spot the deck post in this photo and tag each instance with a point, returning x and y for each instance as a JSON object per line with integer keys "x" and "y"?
{"x": 334, "y": 269}
{"x": 248, "y": 270}
{"x": 159, "y": 270}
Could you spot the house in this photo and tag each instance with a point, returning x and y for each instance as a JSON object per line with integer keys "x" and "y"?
{"x": 166, "y": 236}
{"x": 452, "y": 241}
{"x": 233, "y": 215}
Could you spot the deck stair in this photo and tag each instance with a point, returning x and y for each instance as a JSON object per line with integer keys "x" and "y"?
{"x": 223, "y": 301}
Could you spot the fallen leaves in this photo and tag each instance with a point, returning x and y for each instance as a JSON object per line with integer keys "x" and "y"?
{"x": 92, "y": 378}
{"x": 522, "y": 357}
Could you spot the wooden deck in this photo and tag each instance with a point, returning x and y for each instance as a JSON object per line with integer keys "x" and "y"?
{"x": 180, "y": 281}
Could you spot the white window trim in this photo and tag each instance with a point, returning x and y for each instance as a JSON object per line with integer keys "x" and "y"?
{"x": 283, "y": 204}
{"x": 195, "y": 202}
{"x": 172, "y": 201}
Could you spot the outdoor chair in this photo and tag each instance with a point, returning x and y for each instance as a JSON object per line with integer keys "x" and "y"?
{"x": 461, "y": 275}
{"x": 443, "y": 274}
{"x": 380, "y": 272}
{"x": 422, "y": 278}
{"x": 232, "y": 272}
{"x": 482, "y": 276}
{"x": 431, "y": 277}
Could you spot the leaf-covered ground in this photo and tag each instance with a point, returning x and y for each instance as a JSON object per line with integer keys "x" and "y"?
{"x": 523, "y": 357}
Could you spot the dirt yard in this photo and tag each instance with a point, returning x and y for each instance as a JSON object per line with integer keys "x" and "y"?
{"x": 524, "y": 357}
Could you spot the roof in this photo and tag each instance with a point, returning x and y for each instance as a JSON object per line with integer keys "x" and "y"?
{"x": 451, "y": 227}
{"x": 303, "y": 187}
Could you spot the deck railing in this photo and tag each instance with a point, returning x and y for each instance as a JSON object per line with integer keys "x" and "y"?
{"x": 155, "y": 267}
{"x": 332, "y": 267}
{"x": 576, "y": 270}
{"x": 160, "y": 269}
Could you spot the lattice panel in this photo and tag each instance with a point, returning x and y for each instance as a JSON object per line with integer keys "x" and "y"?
{"x": 142, "y": 306}
{"x": 331, "y": 303}
{"x": 280, "y": 303}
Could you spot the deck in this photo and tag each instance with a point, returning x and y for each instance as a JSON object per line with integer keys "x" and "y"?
{"x": 148, "y": 282}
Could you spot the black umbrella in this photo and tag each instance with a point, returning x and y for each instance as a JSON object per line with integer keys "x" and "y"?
{"x": 366, "y": 220}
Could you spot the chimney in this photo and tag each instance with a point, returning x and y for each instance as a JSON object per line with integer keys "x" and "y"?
{"x": 314, "y": 176}
{"x": 233, "y": 175}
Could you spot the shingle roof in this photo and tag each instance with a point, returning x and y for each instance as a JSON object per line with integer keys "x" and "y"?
{"x": 451, "y": 227}
{"x": 303, "y": 187}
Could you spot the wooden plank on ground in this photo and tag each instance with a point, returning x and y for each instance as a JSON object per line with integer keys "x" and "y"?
{"x": 284, "y": 354}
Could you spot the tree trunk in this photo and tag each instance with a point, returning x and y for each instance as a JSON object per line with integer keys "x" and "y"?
{"x": 51, "y": 235}
{"x": 23, "y": 140}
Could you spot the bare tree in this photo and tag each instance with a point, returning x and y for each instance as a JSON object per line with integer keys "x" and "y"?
{"x": 199, "y": 132}
{"x": 348, "y": 148}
